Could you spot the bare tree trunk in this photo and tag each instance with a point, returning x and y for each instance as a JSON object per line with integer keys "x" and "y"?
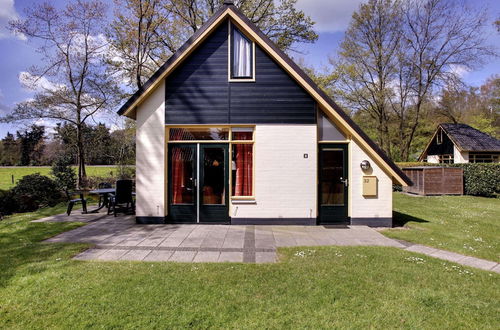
{"x": 80, "y": 148}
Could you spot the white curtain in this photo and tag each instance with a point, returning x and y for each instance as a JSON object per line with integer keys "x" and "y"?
{"x": 242, "y": 66}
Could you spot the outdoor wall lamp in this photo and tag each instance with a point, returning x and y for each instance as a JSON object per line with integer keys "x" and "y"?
{"x": 365, "y": 165}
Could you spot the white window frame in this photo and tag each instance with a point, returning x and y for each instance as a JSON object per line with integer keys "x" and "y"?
{"x": 230, "y": 55}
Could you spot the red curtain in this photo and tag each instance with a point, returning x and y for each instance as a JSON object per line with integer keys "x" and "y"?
{"x": 177, "y": 174}
{"x": 244, "y": 168}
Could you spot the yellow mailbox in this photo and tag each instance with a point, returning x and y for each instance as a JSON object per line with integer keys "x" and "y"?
{"x": 370, "y": 186}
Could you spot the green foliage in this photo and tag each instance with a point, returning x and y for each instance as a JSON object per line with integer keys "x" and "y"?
{"x": 35, "y": 191}
{"x": 10, "y": 155}
{"x": 481, "y": 179}
{"x": 8, "y": 203}
{"x": 64, "y": 174}
{"x": 31, "y": 143}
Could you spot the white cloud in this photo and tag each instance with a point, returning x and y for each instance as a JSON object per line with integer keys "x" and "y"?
{"x": 36, "y": 83}
{"x": 330, "y": 15}
{"x": 4, "y": 109}
{"x": 7, "y": 13}
{"x": 459, "y": 70}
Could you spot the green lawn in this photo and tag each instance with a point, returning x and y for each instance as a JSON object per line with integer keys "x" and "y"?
{"x": 18, "y": 172}
{"x": 330, "y": 287}
{"x": 464, "y": 224}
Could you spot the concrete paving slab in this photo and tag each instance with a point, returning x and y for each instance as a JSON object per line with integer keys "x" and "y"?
{"x": 230, "y": 257}
{"x": 447, "y": 255}
{"x": 112, "y": 255}
{"x": 183, "y": 256}
{"x": 478, "y": 263}
{"x": 135, "y": 255}
{"x": 496, "y": 269}
{"x": 421, "y": 249}
{"x": 265, "y": 257}
{"x": 159, "y": 255}
{"x": 206, "y": 256}
{"x": 90, "y": 254}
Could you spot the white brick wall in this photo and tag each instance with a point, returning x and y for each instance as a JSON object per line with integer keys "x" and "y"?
{"x": 150, "y": 155}
{"x": 368, "y": 207}
{"x": 433, "y": 159}
{"x": 285, "y": 181}
{"x": 460, "y": 157}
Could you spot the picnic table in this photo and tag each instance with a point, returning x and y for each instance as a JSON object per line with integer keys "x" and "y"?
{"x": 104, "y": 192}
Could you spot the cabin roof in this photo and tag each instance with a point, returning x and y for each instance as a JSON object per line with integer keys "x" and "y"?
{"x": 331, "y": 109}
{"x": 468, "y": 138}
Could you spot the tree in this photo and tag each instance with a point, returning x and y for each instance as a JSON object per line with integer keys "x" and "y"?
{"x": 440, "y": 37}
{"x": 64, "y": 174}
{"x": 145, "y": 33}
{"x": 32, "y": 144}
{"x": 478, "y": 107}
{"x": 397, "y": 55}
{"x": 367, "y": 61}
{"x": 75, "y": 85}
{"x": 11, "y": 151}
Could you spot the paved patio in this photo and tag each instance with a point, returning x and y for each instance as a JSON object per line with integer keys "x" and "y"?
{"x": 122, "y": 239}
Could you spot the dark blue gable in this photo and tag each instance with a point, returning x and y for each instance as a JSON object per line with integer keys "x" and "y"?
{"x": 198, "y": 91}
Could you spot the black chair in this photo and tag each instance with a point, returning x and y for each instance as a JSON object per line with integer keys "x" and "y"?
{"x": 123, "y": 197}
{"x": 102, "y": 199}
{"x": 72, "y": 202}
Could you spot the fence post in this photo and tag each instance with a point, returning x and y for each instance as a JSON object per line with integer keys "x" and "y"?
{"x": 12, "y": 175}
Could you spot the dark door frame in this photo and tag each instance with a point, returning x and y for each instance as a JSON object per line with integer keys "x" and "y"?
{"x": 213, "y": 213}
{"x": 199, "y": 213}
{"x": 334, "y": 214}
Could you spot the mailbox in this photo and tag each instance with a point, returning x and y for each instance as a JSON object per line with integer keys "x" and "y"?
{"x": 370, "y": 186}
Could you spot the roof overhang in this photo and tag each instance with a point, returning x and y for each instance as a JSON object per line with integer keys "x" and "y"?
{"x": 329, "y": 107}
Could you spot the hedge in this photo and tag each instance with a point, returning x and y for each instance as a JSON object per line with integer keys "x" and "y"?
{"x": 479, "y": 179}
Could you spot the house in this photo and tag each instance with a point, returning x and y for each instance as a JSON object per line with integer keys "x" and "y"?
{"x": 231, "y": 130}
{"x": 460, "y": 143}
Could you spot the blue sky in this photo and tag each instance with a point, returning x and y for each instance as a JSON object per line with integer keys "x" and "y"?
{"x": 331, "y": 17}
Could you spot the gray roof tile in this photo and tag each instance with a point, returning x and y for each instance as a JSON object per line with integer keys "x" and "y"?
{"x": 470, "y": 139}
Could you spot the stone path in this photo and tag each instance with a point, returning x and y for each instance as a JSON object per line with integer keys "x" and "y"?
{"x": 454, "y": 257}
{"x": 122, "y": 239}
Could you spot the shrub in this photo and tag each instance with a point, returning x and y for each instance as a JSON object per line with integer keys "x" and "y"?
{"x": 415, "y": 164}
{"x": 92, "y": 182}
{"x": 125, "y": 172}
{"x": 35, "y": 191}
{"x": 8, "y": 203}
{"x": 64, "y": 174}
{"x": 481, "y": 179}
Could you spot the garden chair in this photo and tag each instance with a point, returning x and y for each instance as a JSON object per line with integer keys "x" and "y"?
{"x": 123, "y": 197}
{"x": 102, "y": 199}
{"x": 72, "y": 202}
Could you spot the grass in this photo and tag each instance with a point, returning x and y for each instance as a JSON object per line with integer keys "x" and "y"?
{"x": 18, "y": 172}
{"x": 327, "y": 287}
{"x": 464, "y": 224}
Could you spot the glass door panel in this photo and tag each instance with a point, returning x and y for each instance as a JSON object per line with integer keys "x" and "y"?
{"x": 182, "y": 183}
{"x": 333, "y": 184}
{"x": 183, "y": 175}
{"x": 332, "y": 172}
{"x": 214, "y": 183}
{"x": 213, "y": 188}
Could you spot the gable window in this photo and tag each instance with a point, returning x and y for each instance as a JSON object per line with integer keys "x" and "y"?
{"x": 439, "y": 137}
{"x": 241, "y": 55}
